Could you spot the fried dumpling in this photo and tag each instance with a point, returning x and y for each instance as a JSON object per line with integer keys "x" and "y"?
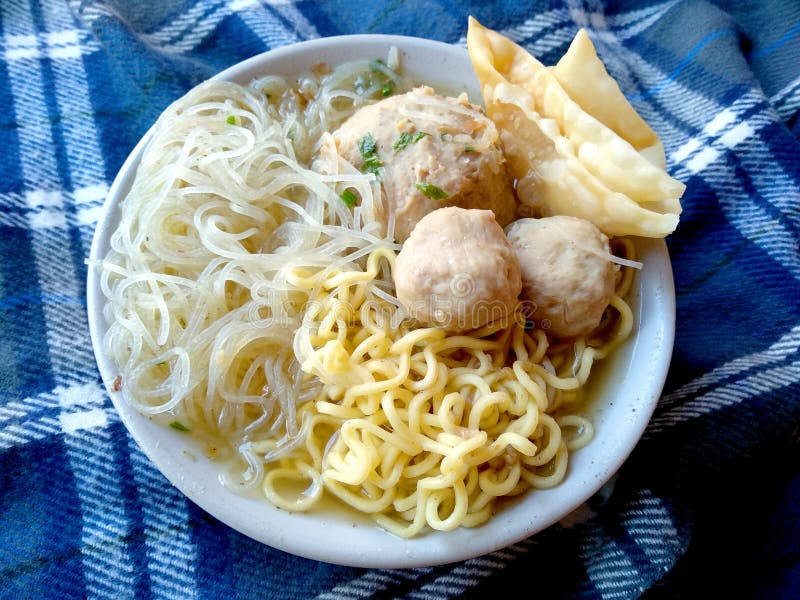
{"x": 584, "y": 77}
{"x": 610, "y": 182}
{"x": 552, "y": 182}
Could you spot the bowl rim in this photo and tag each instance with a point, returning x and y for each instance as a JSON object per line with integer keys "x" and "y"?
{"x": 367, "y": 546}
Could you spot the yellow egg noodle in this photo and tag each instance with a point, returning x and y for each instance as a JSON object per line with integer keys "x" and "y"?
{"x": 433, "y": 427}
{"x": 252, "y": 308}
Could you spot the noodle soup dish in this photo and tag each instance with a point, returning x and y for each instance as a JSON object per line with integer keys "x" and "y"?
{"x": 283, "y": 337}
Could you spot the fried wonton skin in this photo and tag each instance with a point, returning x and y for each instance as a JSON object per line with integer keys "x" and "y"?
{"x": 584, "y": 77}
{"x": 574, "y": 156}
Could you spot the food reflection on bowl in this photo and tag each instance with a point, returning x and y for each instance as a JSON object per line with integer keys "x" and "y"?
{"x": 620, "y": 396}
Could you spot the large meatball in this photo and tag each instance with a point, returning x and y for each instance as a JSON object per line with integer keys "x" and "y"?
{"x": 566, "y": 273}
{"x": 457, "y": 270}
{"x": 429, "y": 151}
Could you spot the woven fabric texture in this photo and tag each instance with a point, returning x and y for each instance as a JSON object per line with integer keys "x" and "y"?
{"x": 709, "y": 501}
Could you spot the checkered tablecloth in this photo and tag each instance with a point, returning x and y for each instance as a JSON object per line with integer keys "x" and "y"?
{"x": 708, "y": 505}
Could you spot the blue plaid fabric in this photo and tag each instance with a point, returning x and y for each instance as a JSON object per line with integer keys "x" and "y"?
{"x": 707, "y": 505}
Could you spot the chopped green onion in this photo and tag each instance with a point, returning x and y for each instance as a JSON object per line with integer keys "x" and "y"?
{"x": 367, "y": 145}
{"x": 431, "y": 191}
{"x": 179, "y": 426}
{"x": 386, "y": 77}
{"x": 231, "y": 120}
{"x": 469, "y": 149}
{"x": 369, "y": 152}
{"x": 402, "y": 142}
{"x": 372, "y": 165}
{"x": 349, "y": 198}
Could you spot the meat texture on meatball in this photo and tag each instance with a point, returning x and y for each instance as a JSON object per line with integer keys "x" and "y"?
{"x": 429, "y": 151}
{"x": 457, "y": 270}
{"x": 566, "y": 272}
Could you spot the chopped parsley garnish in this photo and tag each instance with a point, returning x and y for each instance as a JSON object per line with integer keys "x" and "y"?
{"x": 384, "y": 78}
{"x": 231, "y": 120}
{"x": 419, "y": 135}
{"x": 369, "y": 152}
{"x": 179, "y": 426}
{"x": 431, "y": 191}
{"x": 367, "y": 145}
{"x": 349, "y": 198}
{"x": 402, "y": 142}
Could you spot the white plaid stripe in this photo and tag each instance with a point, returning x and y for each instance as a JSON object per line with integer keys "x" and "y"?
{"x": 57, "y": 45}
{"x": 787, "y": 100}
{"x": 742, "y": 390}
{"x": 170, "y": 552}
{"x": 787, "y": 345}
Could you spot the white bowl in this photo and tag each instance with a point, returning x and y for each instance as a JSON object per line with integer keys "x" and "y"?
{"x": 626, "y": 389}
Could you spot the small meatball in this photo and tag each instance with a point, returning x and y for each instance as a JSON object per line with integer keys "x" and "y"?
{"x": 457, "y": 270}
{"x": 429, "y": 151}
{"x": 566, "y": 273}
